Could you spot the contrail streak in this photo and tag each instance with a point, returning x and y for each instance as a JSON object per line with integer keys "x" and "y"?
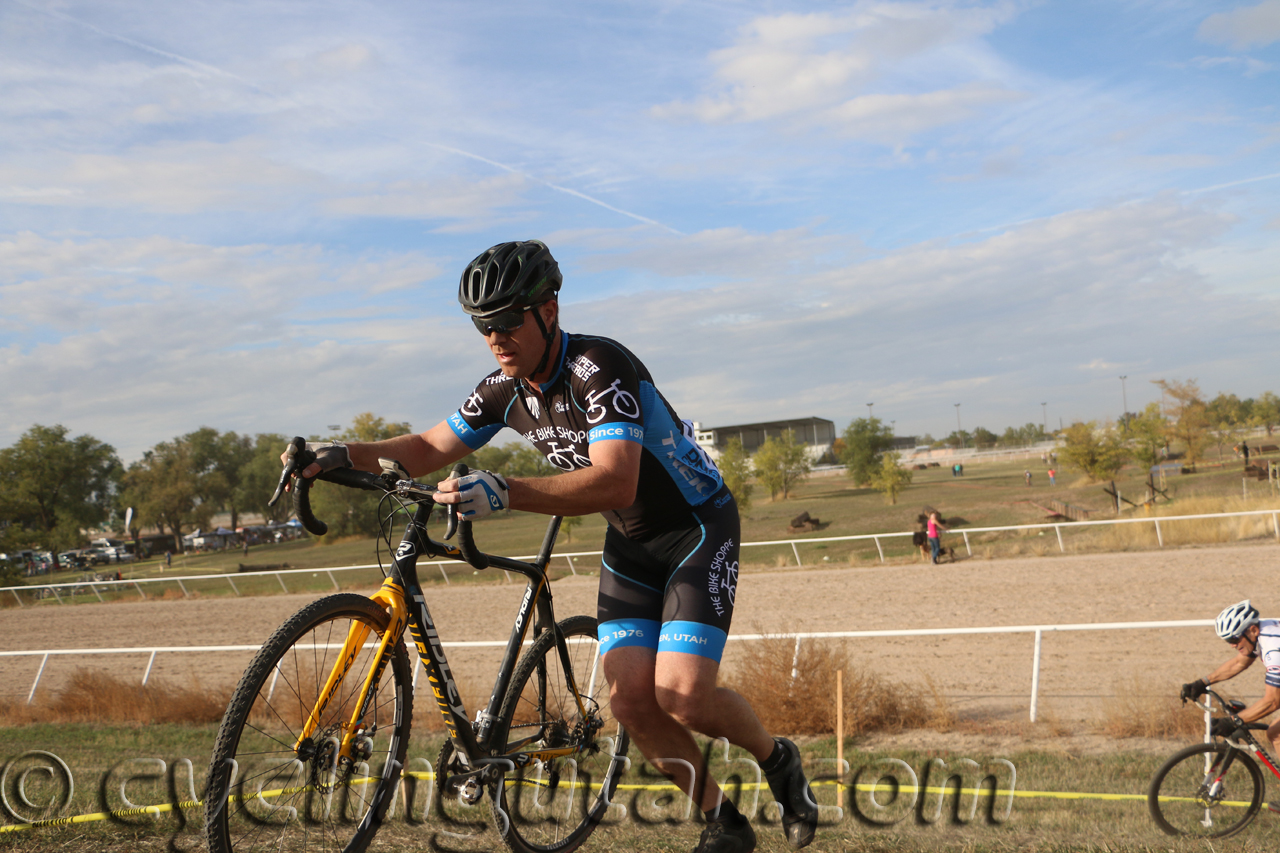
{"x": 215, "y": 71}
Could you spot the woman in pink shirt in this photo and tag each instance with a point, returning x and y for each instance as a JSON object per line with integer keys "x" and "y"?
{"x": 935, "y": 544}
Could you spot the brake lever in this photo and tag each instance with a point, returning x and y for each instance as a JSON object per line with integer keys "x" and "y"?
{"x": 293, "y": 464}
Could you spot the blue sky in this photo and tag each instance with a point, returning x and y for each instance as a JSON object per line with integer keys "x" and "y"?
{"x": 252, "y": 216}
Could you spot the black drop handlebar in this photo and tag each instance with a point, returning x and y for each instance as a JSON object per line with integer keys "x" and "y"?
{"x": 298, "y": 457}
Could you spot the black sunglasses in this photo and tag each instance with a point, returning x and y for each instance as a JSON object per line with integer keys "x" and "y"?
{"x": 504, "y": 323}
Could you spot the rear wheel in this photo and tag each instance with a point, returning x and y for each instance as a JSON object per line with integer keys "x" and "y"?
{"x": 554, "y": 804}
{"x": 267, "y": 791}
{"x": 1191, "y": 795}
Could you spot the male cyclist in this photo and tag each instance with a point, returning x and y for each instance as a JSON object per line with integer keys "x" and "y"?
{"x": 1252, "y": 638}
{"x": 670, "y": 564}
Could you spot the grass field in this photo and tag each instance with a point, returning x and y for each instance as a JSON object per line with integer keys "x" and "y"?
{"x": 1060, "y": 801}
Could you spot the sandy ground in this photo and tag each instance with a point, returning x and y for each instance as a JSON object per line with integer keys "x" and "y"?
{"x": 987, "y": 677}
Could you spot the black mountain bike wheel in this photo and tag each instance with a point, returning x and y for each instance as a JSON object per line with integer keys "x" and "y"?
{"x": 555, "y": 805}
{"x": 262, "y": 793}
{"x": 1186, "y": 797}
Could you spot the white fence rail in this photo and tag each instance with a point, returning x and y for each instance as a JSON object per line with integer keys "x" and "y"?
{"x": 1038, "y": 630}
{"x": 92, "y": 587}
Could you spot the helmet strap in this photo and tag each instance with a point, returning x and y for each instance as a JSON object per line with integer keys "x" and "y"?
{"x": 547, "y": 336}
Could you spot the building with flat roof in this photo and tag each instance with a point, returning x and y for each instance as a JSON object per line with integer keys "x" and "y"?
{"x": 817, "y": 434}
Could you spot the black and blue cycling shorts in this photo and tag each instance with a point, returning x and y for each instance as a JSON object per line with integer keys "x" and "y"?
{"x": 674, "y": 591}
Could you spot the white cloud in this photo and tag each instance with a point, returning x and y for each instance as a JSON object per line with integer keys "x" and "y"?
{"x": 1244, "y": 27}
{"x": 820, "y": 69}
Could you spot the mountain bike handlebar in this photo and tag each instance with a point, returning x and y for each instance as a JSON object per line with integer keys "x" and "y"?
{"x": 298, "y": 457}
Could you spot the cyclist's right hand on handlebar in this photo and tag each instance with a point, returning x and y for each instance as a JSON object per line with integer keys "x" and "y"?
{"x": 1194, "y": 690}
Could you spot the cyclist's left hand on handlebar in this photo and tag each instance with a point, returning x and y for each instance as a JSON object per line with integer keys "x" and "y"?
{"x": 1194, "y": 690}
{"x": 1223, "y": 726}
{"x": 479, "y": 494}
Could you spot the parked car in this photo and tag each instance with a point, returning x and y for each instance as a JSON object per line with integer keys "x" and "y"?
{"x": 72, "y": 560}
{"x": 119, "y": 554}
{"x": 96, "y": 556}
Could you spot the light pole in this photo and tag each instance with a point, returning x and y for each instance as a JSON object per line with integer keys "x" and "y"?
{"x": 1044, "y": 414}
{"x": 959, "y": 429}
{"x": 869, "y": 405}
{"x": 1124, "y": 398}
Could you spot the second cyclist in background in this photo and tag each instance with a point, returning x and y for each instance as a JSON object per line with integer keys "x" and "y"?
{"x": 1252, "y": 638}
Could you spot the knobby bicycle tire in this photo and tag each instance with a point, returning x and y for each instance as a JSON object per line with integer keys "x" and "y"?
{"x": 1183, "y": 798}
{"x": 553, "y": 806}
{"x": 262, "y": 794}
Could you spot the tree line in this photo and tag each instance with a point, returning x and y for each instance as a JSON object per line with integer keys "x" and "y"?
{"x": 1182, "y": 425}
{"x": 54, "y": 487}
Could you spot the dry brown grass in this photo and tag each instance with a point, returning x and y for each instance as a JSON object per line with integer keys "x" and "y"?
{"x": 1147, "y": 710}
{"x": 97, "y": 697}
{"x": 806, "y": 704}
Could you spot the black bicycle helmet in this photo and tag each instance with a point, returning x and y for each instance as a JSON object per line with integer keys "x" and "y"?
{"x": 509, "y": 276}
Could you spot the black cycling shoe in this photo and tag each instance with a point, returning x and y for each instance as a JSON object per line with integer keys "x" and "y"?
{"x": 727, "y": 836}
{"x": 792, "y": 791}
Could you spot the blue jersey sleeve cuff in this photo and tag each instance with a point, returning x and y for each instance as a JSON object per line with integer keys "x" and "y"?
{"x": 473, "y": 438}
{"x": 611, "y": 432}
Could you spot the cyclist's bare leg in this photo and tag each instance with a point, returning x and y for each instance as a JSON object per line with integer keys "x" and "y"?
{"x": 659, "y": 697}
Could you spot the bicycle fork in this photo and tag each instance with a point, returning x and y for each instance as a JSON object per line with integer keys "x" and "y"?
{"x": 391, "y": 598}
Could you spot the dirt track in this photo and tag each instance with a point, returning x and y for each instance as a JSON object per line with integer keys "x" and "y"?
{"x": 988, "y": 676}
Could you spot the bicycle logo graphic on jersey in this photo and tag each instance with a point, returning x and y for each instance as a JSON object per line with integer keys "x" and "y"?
{"x": 567, "y": 458}
{"x": 471, "y": 408}
{"x": 624, "y": 403}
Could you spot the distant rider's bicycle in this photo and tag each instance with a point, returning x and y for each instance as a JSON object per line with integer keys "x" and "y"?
{"x": 1212, "y": 790}
{"x": 312, "y": 747}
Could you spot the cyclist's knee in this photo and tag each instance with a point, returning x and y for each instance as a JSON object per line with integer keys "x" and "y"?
{"x": 691, "y": 707}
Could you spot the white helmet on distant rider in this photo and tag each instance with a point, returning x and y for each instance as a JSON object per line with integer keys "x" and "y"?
{"x": 1235, "y": 620}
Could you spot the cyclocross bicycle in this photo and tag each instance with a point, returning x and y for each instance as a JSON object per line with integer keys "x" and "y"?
{"x": 1212, "y": 790}
{"x": 312, "y": 747}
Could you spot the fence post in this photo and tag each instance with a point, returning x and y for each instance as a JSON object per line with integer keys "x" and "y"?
{"x": 140, "y": 592}
{"x": 336, "y": 588}
{"x": 1057, "y": 528}
{"x": 233, "y": 586}
{"x": 182, "y": 587}
{"x": 795, "y": 551}
{"x": 1275, "y": 523}
{"x": 795, "y": 660}
{"x": 147, "y": 674}
{"x": 440, "y": 566}
{"x": 95, "y": 591}
{"x": 1159, "y": 538}
{"x": 571, "y": 568}
{"x": 878, "y": 548}
{"x": 39, "y": 673}
{"x": 967, "y": 549}
{"x": 281, "y": 579}
{"x": 1035, "y": 676}
{"x": 20, "y": 604}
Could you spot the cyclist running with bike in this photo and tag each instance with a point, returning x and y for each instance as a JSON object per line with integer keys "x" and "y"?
{"x": 670, "y": 564}
{"x": 1252, "y": 638}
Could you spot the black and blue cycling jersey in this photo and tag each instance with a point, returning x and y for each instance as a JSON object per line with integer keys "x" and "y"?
{"x": 599, "y": 392}
{"x": 670, "y": 561}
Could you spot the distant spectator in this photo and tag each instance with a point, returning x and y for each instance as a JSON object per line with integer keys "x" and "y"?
{"x": 168, "y": 559}
{"x": 1051, "y": 480}
{"x": 934, "y": 525}
{"x": 1027, "y": 474}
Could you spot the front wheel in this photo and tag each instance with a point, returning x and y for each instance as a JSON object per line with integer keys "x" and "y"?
{"x": 271, "y": 790}
{"x": 551, "y": 804}
{"x": 1192, "y": 794}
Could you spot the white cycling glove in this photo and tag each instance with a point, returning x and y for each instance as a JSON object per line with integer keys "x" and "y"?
{"x": 483, "y": 492}
{"x": 330, "y": 454}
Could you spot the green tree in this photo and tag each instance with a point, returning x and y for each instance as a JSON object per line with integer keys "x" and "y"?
{"x": 1022, "y": 436}
{"x": 864, "y": 440}
{"x": 1265, "y": 412}
{"x": 258, "y": 478}
{"x": 983, "y": 437}
{"x": 568, "y": 524}
{"x": 891, "y": 478}
{"x": 780, "y": 463}
{"x": 1147, "y": 435}
{"x": 52, "y": 487}
{"x": 1099, "y": 452}
{"x": 163, "y": 488}
{"x": 218, "y": 460}
{"x": 1188, "y": 416}
{"x": 735, "y": 468}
